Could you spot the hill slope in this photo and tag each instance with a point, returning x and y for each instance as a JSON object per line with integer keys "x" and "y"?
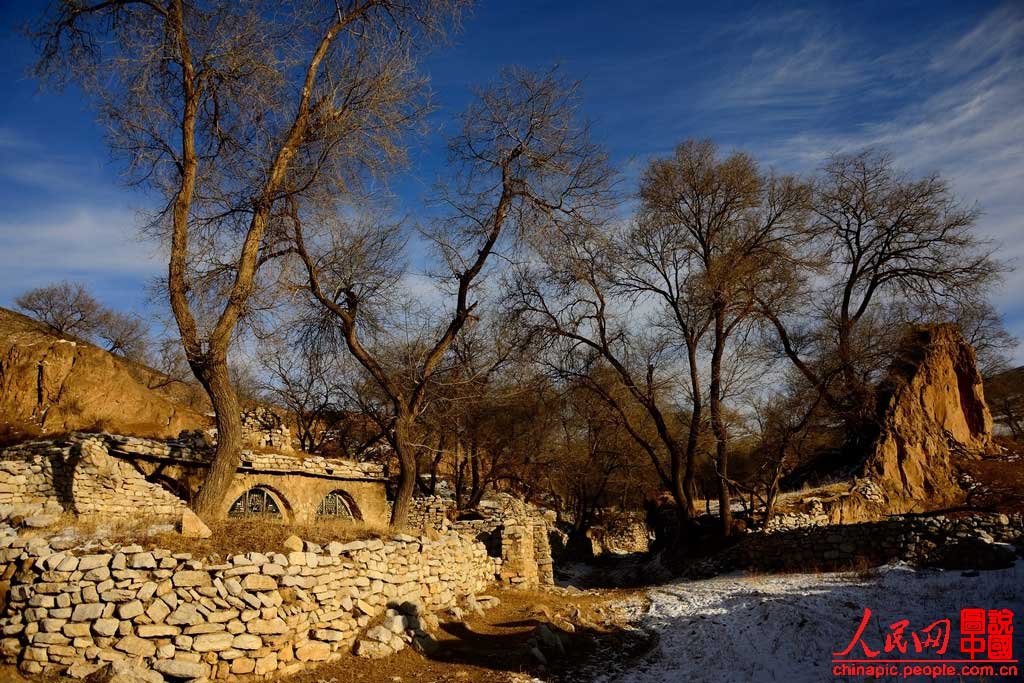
{"x": 52, "y": 383}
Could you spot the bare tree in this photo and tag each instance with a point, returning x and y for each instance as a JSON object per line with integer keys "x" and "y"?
{"x": 1005, "y": 394}
{"x": 602, "y": 343}
{"x": 123, "y": 333}
{"x": 522, "y": 162}
{"x": 67, "y": 307}
{"x": 981, "y": 326}
{"x": 305, "y": 378}
{"x": 884, "y": 240}
{"x": 230, "y": 111}
{"x": 738, "y": 223}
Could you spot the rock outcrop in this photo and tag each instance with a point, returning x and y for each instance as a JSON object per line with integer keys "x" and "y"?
{"x": 50, "y": 383}
{"x": 932, "y": 412}
{"x": 932, "y": 409}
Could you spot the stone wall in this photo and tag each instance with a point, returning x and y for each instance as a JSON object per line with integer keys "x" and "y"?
{"x": 258, "y": 613}
{"x": 261, "y": 428}
{"x": 431, "y": 512}
{"x": 80, "y": 476}
{"x": 620, "y": 532}
{"x": 517, "y": 534}
{"x": 115, "y": 474}
{"x": 938, "y": 540}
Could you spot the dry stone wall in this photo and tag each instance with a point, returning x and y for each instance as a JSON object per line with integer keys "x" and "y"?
{"x": 257, "y": 613}
{"x": 976, "y": 541}
{"x": 107, "y": 473}
{"x": 517, "y": 535}
{"x": 431, "y": 512}
{"x": 79, "y": 475}
{"x": 621, "y": 533}
{"x": 261, "y": 428}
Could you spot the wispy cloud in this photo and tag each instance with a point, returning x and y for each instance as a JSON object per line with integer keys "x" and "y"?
{"x": 795, "y": 66}
{"x": 969, "y": 127}
{"x": 98, "y": 246}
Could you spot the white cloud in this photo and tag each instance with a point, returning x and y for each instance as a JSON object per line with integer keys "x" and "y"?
{"x": 95, "y": 245}
{"x": 970, "y": 129}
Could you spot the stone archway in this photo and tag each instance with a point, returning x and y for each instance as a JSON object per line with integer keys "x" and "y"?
{"x": 261, "y": 501}
{"x": 338, "y": 504}
{"x": 302, "y": 495}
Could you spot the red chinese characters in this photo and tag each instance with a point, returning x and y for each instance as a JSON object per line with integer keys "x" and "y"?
{"x": 984, "y": 635}
{"x": 986, "y": 632}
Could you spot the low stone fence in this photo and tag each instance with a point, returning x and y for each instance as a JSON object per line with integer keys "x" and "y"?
{"x": 975, "y": 540}
{"x": 517, "y": 533}
{"x": 257, "y": 613}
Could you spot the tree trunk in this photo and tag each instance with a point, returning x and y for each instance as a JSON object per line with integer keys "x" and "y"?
{"x": 718, "y": 425}
{"x": 406, "y": 470}
{"x": 210, "y": 503}
{"x": 477, "y": 485}
{"x": 692, "y": 438}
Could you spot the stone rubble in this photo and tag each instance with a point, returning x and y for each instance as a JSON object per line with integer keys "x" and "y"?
{"x": 982, "y": 540}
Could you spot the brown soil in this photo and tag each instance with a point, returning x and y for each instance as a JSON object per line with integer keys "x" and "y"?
{"x": 494, "y": 648}
{"x": 51, "y": 383}
{"x": 1001, "y": 482}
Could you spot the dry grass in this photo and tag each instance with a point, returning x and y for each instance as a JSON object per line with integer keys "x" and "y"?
{"x": 231, "y": 536}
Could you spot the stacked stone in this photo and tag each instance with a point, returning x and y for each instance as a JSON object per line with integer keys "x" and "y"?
{"x": 263, "y": 428}
{"x": 518, "y": 566}
{"x": 431, "y": 512}
{"x": 186, "y": 450}
{"x": 917, "y": 540}
{"x": 517, "y": 533}
{"x": 622, "y": 532}
{"x": 787, "y": 521}
{"x": 101, "y": 484}
{"x": 78, "y": 474}
{"x": 95, "y": 474}
{"x": 31, "y": 472}
{"x": 252, "y": 614}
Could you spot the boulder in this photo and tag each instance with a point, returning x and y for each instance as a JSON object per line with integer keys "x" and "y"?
{"x": 932, "y": 407}
{"x": 181, "y": 668}
{"x": 190, "y": 526}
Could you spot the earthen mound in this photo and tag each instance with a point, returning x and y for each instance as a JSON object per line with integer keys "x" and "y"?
{"x": 51, "y": 383}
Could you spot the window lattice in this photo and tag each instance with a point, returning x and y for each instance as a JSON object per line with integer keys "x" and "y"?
{"x": 255, "y": 502}
{"x": 335, "y": 505}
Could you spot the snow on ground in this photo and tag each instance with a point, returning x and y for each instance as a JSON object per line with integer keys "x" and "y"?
{"x": 785, "y": 627}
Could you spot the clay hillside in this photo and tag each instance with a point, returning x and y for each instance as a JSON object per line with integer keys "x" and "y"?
{"x": 935, "y": 448}
{"x": 52, "y": 383}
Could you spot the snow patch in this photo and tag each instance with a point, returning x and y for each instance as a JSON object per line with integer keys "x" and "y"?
{"x": 785, "y": 627}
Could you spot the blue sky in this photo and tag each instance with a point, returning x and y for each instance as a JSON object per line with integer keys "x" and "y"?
{"x": 940, "y": 85}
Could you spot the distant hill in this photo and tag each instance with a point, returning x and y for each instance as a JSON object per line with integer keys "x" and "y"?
{"x": 51, "y": 383}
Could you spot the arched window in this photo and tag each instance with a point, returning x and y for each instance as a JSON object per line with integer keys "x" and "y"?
{"x": 337, "y": 504}
{"x": 257, "y": 501}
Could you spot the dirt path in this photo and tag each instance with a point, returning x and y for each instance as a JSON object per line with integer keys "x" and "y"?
{"x": 496, "y": 647}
